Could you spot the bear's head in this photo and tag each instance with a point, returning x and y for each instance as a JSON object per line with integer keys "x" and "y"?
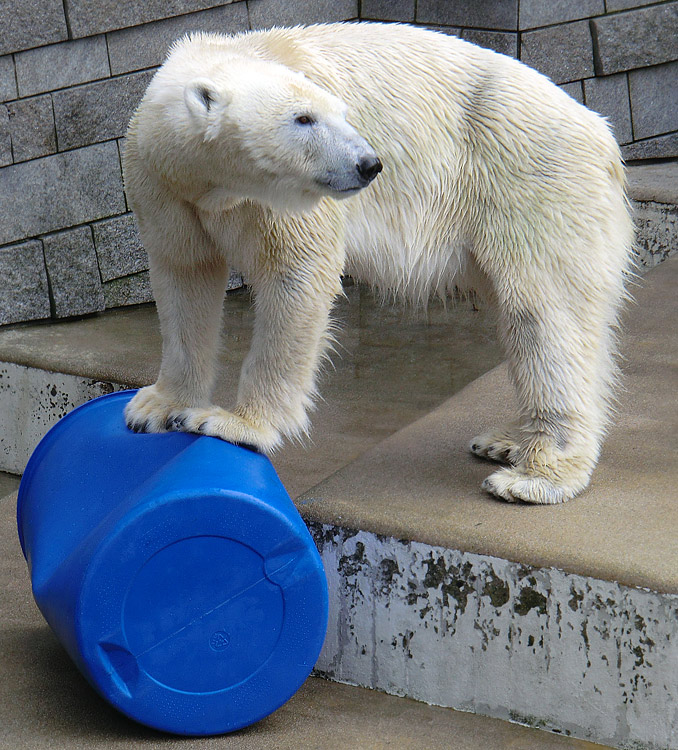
{"x": 272, "y": 136}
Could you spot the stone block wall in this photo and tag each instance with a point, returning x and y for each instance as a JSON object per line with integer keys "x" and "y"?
{"x": 72, "y": 73}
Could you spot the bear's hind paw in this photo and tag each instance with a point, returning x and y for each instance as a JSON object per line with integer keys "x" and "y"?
{"x": 514, "y": 486}
{"x": 497, "y": 445}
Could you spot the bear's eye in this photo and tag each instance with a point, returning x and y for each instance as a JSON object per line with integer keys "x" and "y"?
{"x": 304, "y": 120}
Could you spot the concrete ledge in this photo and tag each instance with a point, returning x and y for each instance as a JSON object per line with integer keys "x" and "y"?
{"x": 536, "y": 646}
{"x": 422, "y": 484}
{"x": 654, "y": 182}
{"x": 653, "y": 190}
{"x": 563, "y": 618}
{"x": 391, "y": 367}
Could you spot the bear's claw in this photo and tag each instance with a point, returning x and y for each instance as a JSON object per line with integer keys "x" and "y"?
{"x": 497, "y": 445}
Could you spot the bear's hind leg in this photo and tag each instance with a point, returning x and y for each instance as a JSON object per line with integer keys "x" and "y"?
{"x": 560, "y": 360}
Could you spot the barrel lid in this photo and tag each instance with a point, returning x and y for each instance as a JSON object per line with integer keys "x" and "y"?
{"x": 205, "y": 634}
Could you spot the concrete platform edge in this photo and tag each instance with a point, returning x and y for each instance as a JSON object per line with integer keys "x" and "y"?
{"x": 31, "y": 401}
{"x": 450, "y": 628}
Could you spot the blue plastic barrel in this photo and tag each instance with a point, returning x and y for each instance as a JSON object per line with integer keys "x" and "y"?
{"x": 174, "y": 569}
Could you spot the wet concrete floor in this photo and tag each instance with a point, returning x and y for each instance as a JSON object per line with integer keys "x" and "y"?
{"x": 391, "y": 365}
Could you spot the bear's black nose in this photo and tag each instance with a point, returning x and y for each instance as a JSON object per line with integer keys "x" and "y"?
{"x": 368, "y": 168}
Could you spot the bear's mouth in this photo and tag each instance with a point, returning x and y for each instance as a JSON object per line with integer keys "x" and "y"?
{"x": 346, "y": 191}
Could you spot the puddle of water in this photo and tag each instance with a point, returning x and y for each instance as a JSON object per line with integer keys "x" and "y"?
{"x": 392, "y": 366}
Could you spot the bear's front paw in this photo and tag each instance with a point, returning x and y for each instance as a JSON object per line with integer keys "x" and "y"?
{"x": 149, "y": 409}
{"x": 515, "y": 486}
{"x": 226, "y": 425}
{"x": 497, "y": 445}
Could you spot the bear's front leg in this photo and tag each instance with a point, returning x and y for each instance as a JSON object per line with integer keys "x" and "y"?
{"x": 188, "y": 276}
{"x": 295, "y": 279}
{"x": 189, "y": 299}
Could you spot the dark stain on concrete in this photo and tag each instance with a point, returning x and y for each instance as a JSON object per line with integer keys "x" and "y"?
{"x": 349, "y": 565}
{"x": 497, "y": 590}
{"x": 435, "y": 572}
{"x": 459, "y": 589}
{"x": 576, "y": 598}
{"x": 388, "y": 568}
{"x": 529, "y": 599}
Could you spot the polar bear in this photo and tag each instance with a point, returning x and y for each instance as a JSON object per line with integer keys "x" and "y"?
{"x": 256, "y": 150}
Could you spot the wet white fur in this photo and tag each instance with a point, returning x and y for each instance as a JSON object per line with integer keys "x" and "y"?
{"x": 492, "y": 177}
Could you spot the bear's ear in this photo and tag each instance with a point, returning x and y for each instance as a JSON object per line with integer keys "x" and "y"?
{"x": 204, "y": 101}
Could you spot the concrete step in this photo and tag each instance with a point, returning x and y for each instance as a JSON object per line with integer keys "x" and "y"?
{"x": 46, "y": 704}
{"x": 560, "y": 618}
{"x": 653, "y": 189}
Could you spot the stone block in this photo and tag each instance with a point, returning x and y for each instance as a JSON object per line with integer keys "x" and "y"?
{"x": 661, "y": 147}
{"x": 535, "y": 13}
{"x": 656, "y": 232}
{"x": 613, "y": 5}
{"x": 24, "y": 292}
{"x": 265, "y": 13}
{"x": 635, "y": 39}
{"x": 387, "y": 10}
{"x": 575, "y": 90}
{"x": 449, "y": 30}
{"x": 31, "y": 124}
{"x": 654, "y": 100}
{"x": 5, "y": 138}
{"x": 97, "y": 111}
{"x": 609, "y": 96}
{"x": 129, "y": 290}
{"x": 86, "y": 18}
{"x": 59, "y": 65}
{"x": 564, "y": 53}
{"x": 146, "y": 46}
{"x": 119, "y": 247}
{"x": 235, "y": 281}
{"x": 499, "y": 41}
{"x": 31, "y": 23}
{"x": 135, "y": 289}
{"x": 483, "y": 14}
{"x": 73, "y": 272}
{"x": 60, "y": 191}
{"x": 7, "y": 79}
